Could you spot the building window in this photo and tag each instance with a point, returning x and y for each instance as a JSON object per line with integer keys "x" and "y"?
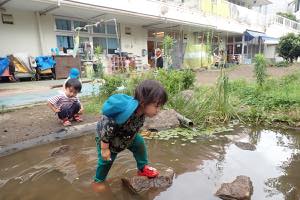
{"x": 111, "y": 29}
{"x": 99, "y": 41}
{"x": 112, "y": 45}
{"x": 238, "y": 49}
{"x": 64, "y": 41}
{"x": 99, "y": 29}
{"x": 63, "y": 24}
{"x": 80, "y": 24}
{"x": 230, "y": 39}
{"x": 103, "y": 35}
{"x": 238, "y": 38}
{"x": 83, "y": 39}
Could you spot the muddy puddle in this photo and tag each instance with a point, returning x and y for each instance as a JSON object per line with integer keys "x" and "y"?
{"x": 201, "y": 167}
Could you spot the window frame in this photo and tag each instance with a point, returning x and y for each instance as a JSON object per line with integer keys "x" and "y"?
{"x": 89, "y": 33}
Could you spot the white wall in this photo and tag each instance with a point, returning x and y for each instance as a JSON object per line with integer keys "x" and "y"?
{"x": 48, "y": 34}
{"x": 270, "y": 51}
{"x": 278, "y": 31}
{"x": 135, "y": 42}
{"x": 23, "y": 35}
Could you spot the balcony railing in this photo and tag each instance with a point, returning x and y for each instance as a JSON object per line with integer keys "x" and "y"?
{"x": 219, "y": 8}
{"x": 290, "y": 24}
{"x": 231, "y": 11}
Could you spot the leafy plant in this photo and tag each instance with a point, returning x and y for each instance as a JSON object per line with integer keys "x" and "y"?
{"x": 289, "y": 47}
{"x": 176, "y": 80}
{"x": 223, "y": 95}
{"x": 99, "y": 71}
{"x": 111, "y": 85}
{"x": 289, "y": 16}
{"x": 260, "y": 69}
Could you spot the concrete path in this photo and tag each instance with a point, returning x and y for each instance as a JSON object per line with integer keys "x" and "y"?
{"x": 24, "y": 93}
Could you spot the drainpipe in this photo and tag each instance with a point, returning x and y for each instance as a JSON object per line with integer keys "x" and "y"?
{"x": 243, "y": 45}
{"x": 40, "y": 32}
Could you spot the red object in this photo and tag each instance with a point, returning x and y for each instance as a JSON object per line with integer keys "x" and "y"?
{"x": 66, "y": 122}
{"x": 148, "y": 171}
{"x": 77, "y": 118}
{"x": 6, "y": 72}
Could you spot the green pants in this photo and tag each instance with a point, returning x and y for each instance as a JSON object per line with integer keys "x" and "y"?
{"x": 137, "y": 147}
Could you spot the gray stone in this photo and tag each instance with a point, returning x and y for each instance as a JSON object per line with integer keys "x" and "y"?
{"x": 138, "y": 184}
{"x": 240, "y": 189}
{"x": 60, "y": 150}
{"x": 245, "y": 146}
{"x": 166, "y": 119}
{"x": 187, "y": 95}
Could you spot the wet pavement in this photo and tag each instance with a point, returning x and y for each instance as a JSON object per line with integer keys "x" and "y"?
{"x": 200, "y": 168}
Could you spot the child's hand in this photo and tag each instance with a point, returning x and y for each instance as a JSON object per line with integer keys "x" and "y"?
{"x": 56, "y": 110}
{"x": 105, "y": 153}
{"x": 80, "y": 111}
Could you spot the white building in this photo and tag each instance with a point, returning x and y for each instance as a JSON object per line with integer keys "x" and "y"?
{"x": 36, "y": 26}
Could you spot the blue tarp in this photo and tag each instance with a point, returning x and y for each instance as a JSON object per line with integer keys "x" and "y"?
{"x": 45, "y": 62}
{"x": 4, "y": 63}
{"x": 250, "y": 35}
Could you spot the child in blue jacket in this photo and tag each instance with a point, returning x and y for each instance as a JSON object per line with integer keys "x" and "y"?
{"x": 119, "y": 125}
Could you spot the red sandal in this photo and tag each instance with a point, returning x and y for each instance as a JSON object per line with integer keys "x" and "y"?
{"x": 66, "y": 122}
{"x": 77, "y": 118}
{"x": 148, "y": 171}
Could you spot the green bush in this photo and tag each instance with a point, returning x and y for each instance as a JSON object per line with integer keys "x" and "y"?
{"x": 111, "y": 84}
{"x": 289, "y": 47}
{"x": 282, "y": 64}
{"x": 176, "y": 80}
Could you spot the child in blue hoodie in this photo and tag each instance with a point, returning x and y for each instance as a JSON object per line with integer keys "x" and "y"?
{"x": 119, "y": 125}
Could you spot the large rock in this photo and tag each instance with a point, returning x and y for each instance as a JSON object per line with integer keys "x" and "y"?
{"x": 166, "y": 119}
{"x": 245, "y": 146}
{"x": 139, "y": 184}
{"x": 240, "y": 189}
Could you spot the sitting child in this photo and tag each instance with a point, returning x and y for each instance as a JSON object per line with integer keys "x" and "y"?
{"x": 119, "y": 125}
{"x": 67, "y": 105}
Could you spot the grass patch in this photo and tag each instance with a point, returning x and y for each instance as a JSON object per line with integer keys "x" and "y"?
{"x": 269, "y": 101}
{"x": 92, "y": 105}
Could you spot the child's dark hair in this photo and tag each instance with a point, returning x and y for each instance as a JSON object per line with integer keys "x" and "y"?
{"x": 151, "y": 91}
{"x": 75, "y": 83}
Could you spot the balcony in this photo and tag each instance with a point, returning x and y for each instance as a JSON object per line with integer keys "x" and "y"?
{"x": 219, "y": 15}
{"x": 235, "y": 12}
